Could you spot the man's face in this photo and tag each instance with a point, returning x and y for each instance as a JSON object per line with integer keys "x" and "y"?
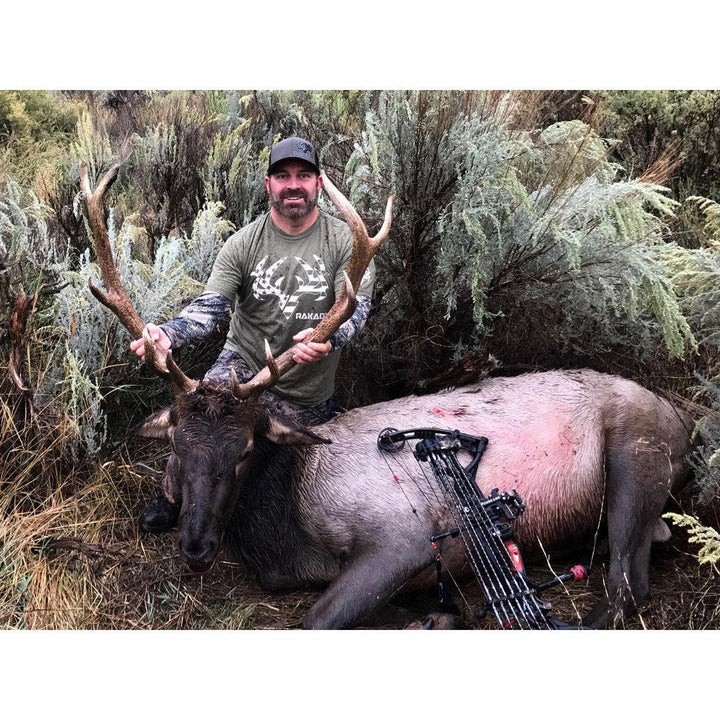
{"x": 293, "y": 189}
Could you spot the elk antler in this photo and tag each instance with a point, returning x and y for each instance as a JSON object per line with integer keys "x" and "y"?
{"x": 116, "y": 297}
{"x": 18, "y": 323}
{"x": 25, "y": 411}
{"x": 364, "y": 248}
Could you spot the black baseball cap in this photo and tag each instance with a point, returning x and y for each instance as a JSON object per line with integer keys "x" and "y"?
{"x": 293, "y": 148}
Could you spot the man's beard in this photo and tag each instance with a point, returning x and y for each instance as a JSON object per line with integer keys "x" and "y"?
{"x": 294, "y": 212}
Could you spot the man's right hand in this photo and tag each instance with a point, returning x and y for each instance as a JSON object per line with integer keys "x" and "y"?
{"x": 160, "y": 340}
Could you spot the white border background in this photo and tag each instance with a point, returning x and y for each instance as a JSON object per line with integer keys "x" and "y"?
{"x": 369, "y": 674}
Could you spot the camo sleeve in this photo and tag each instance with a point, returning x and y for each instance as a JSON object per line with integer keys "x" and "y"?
{"x": 354, "y": 325}
{"x": 198, "y": 319}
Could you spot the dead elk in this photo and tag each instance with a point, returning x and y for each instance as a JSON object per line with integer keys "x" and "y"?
{"x": 301, "y": 512}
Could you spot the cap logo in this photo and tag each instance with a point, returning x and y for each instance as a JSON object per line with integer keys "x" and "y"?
{"x": 304, "y": 147}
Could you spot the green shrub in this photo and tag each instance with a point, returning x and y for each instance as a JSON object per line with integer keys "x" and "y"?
{"x": 648, "y": 123}
{"x": 528, "y": 244}
{"x": 708, "y": 538}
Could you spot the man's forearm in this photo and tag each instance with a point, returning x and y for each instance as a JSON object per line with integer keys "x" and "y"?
{"x": 351, "y": 327}
{"x": 198, "y": 319}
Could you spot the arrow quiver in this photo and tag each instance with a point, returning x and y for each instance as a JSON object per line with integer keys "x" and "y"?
{"x": 484, "y": 524}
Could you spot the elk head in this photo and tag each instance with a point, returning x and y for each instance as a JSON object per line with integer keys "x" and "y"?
{"x": 211, "y": 429}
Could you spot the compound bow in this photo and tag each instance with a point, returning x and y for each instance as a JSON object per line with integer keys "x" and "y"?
{"x": 484, "y": 525}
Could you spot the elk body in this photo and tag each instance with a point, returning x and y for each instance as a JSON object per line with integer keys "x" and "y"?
{"x": 578, "y": 446}
{"x": 328, "y": 508}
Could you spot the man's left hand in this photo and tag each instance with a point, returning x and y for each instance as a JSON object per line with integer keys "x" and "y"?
{"x": 310, "y": 352}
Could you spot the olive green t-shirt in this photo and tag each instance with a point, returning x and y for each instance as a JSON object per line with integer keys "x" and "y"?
{"x": 282, "y": 284}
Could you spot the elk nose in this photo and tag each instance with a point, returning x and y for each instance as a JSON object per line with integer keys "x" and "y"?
{"x": 198, "y": 553}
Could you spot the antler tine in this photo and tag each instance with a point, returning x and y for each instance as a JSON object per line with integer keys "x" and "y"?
{"x": 364, "y": 248}
{"x": 116, "y": 298}
{"x": 18, "y": 323}
{"x": 171, "y": 371}
{"x": 271, "y": 364}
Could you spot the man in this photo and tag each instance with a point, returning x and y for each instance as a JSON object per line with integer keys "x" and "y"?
{"x": 280, "y": 273}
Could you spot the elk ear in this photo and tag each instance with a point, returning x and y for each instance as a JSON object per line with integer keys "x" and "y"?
{"x": 285, "y": 432}
{"x": 170, "y": 484}
{"x": 158, "y": 426}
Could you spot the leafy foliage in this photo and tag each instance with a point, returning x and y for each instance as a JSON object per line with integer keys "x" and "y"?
{"x": 234, "y": 170}
{"x": 34, "y": 127}
{"x": 555, "y": 257}
{"x": 28, "y": 254}
{"x": 577, "y": 248}
{"x": 708, "y": 538}
{"x": 650, "y": 122}
{"x": 74, "y": 336}
{"x": 210, "y": 230}
{"x": 167, "y": 161}
{"x": 695, "y": 274}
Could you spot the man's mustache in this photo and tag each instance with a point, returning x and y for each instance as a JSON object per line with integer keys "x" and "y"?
{"x": 293, "y": 194}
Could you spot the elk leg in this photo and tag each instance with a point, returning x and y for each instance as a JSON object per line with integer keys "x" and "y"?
{"x": 635, "y": 501}
{"x": 366, "y": 581}
{"x": 162, "y": 515}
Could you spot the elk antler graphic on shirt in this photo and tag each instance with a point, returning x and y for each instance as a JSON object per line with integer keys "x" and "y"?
{"x": 311, "y": 282}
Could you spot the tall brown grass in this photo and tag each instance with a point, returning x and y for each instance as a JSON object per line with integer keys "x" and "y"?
{"x": 72, "y": 556}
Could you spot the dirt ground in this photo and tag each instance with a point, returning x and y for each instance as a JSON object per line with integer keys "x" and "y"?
{"x": 159, "y": 592}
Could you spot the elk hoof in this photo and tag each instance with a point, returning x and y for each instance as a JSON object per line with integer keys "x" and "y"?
{"x": 160, "y": 515}
{"x": 438, "y": 621}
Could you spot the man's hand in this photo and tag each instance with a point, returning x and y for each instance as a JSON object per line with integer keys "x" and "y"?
{"x": 311, "y": 352}
{"x": 160, "y": 340}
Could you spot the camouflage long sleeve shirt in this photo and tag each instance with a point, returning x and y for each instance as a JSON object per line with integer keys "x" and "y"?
{"x": 198, "y": 320}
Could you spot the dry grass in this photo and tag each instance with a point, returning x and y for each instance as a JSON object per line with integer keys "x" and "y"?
{"x": 685, "y": 595}
{"x": 72, "y": 557}
{"x": 76, "y": 560}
